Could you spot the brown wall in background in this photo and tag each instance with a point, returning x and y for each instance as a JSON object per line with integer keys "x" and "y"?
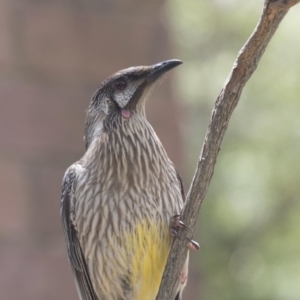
{"x": 53, "y": 55}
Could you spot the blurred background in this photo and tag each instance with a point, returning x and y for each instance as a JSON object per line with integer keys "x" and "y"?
{"x": 54, "y": 54}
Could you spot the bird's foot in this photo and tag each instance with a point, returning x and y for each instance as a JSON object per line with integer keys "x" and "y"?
{"x": 176, "y": 225}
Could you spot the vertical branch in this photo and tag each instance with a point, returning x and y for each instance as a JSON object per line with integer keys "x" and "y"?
{"x": 243, "y": 67}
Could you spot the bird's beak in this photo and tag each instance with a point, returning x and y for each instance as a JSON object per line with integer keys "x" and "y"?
{"x": 161, "y": 68}
{"x": 149, "y": 75}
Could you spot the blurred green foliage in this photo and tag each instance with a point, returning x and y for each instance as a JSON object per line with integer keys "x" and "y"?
{"x": 249, "y": 225}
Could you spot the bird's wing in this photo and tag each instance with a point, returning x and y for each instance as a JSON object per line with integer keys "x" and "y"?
{"x": 181, "y": 186}
{"x": 75, "y": 254}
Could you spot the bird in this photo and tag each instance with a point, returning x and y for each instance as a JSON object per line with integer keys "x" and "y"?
{"x": 119, "y": 200}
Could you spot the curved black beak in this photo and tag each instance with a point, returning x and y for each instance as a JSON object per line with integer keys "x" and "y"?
{"x": 149, "y": 75}
{"x": 163, "y": 67}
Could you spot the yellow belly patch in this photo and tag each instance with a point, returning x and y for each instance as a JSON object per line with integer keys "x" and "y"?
{"x": 149, "y": 244}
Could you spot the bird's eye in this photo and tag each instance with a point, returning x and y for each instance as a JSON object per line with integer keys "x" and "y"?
{"x": 120, "y": 84}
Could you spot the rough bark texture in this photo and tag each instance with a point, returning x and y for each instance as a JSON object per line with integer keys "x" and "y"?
{"x": 244, "y": 66}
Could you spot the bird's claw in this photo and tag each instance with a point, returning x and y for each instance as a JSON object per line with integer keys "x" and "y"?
{"x": 193, "y": 245}
{"x": 176, "y": 224}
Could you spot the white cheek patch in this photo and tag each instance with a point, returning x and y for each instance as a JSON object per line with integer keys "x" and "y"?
{"x": 123, "y": 97}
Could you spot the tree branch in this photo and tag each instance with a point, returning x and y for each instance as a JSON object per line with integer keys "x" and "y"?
{"x": 243, "y": 67}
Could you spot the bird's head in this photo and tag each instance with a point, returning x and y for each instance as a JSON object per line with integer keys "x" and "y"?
{"x": 122, "y": 96}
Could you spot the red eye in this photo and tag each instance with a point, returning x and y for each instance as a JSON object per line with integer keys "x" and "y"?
{"x": 121, "y": 85}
